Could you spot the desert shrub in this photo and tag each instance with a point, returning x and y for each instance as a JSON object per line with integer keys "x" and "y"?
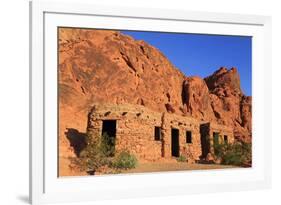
{"x": 181, "y": 158}
{"x": 107, "y": 145}
{"x": 238, "y": 153}
{"x": 124, "y": 160}
{"x": 220, "y": 149}
{"x": 99, "y": 152}
{"x": 95, "y": 155}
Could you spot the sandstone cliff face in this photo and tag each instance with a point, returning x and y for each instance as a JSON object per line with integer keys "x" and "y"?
{"x": 105, "y": 66}
{"x": 97, "y": 66}
{"x": 219, "y": 98}
{"x": 231, "y": 107}
{"x": 196, "y": 99}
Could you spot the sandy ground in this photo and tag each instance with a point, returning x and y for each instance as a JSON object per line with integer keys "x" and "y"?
{"x": 173, "y": 166}
{"x": 65, "y": 170}
{"x": 146, "y": 167}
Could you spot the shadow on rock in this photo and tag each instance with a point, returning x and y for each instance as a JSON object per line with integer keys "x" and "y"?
{"x": 77, "y": 140}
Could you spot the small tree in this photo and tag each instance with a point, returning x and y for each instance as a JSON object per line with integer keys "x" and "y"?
{"x": 99, "y": 152}
{"x": 107, "y": 145}
{"x": 95, "y": 155}
{"x": 238, "y": 153}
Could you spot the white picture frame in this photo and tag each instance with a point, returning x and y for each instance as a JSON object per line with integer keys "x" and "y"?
{"x": 46, "y": 187}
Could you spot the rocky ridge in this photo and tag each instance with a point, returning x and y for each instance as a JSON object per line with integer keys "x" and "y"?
{"x": 110, "y": 67}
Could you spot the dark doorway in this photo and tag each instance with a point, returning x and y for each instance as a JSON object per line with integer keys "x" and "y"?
{"x": 205, "y": 139}
{"x": 225, "y": 139}
{"x": 108, "y": 136}
{"x": 175, "y": 142}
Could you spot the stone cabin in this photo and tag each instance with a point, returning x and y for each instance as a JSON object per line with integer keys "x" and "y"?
{"x": 153, "y": 136}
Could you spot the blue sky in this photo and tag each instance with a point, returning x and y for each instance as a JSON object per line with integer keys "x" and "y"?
{"x": 201, "y": 55}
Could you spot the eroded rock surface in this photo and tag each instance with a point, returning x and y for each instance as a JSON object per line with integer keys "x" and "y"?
{"x": 231, "y": 107}
{"x": 196, "y": 99}
{"x": 99, "y": 66}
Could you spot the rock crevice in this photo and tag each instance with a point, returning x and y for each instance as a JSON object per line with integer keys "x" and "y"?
{"x": 94, "y": 57}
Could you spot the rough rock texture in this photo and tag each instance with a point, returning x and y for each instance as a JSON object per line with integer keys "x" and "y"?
{"x": 106, "y": 66}
{"x": 219, "y": 98}
{"x": 224, "y": 81}
{"x": 196, "y": 99}
{"x": 135, "y": 131}
{"x": 99, "y": 66}
{"x": 231, "y": 107}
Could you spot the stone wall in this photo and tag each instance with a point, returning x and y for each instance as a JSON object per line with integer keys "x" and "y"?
{"x": 134, "y": 128}
{"x": 207, "y": 131}
{"x": 192, "y": 151}
{"x": 135, "y": 131}
{"x": 223, "y": 131}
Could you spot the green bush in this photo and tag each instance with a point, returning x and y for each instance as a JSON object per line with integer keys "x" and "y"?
{"x": 181, "y": 159}
{"x": 99, "y": 153}
{"x": 238, "y": 153}
{"x": 95, "y": 155}
{"x": 124, "y": 160}
{"x": 107, "y": 145}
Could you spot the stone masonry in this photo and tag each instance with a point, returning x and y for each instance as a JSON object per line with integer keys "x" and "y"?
{"x": 152, "y": 136}
{"x": 208, "y": 131}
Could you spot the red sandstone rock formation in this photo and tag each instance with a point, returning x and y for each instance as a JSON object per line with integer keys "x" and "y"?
{"x": 219, "y": 98}
{"x": 97, "y": 66}
{"x": 196, "y": 99}
{"x": 231, "y": 107}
